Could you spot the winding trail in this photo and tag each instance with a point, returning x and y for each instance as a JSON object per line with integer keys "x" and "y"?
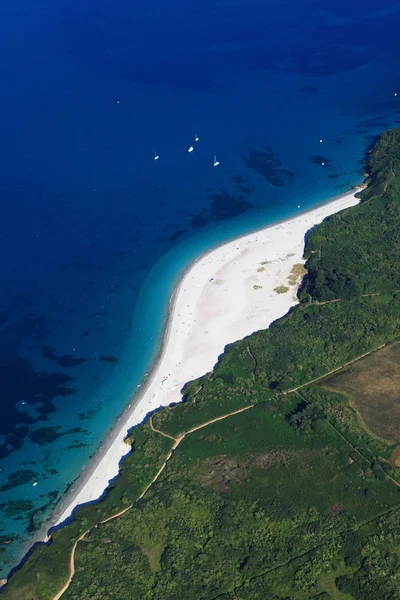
{"x": 176, "y": 443}
{"x": 392, "y": 479}
{"x": 158, "y": 430}
{"x": 255, "y": 361}
{"x": 71, "y": 567}
{"x": 385, "y": 186}
{"x": 350, "y": 362}
{"x": 231, "y": 414}
{"x": 177, "y": 440}
{"x": 316, "y": 302}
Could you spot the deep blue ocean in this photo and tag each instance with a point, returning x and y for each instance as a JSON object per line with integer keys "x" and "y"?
{"x": 90, "y": 90}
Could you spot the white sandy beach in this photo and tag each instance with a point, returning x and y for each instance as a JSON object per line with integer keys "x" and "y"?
{"x": 215, "y": 304}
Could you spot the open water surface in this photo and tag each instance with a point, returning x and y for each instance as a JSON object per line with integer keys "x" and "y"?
{"x": 89, "y": 90}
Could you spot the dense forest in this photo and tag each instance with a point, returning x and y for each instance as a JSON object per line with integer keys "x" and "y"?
{"x": 278, "y": 482}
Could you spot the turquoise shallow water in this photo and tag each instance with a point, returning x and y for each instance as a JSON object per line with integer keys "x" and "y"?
{"x": 95, "y": 233}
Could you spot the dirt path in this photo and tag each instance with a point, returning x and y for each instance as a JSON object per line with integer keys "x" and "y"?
{"x": 335, "y": 370}
{"x": 176, "y": 443}
{"x": 361, "y": 296}
{"x": 71, "y": 567}
{"x": 394, "y": 457}
{"x": 385, "y": 187}
{"x": 389, "y": 180}
{"x": 234, "y": 412}
{"x": 255, "y": 361}
{"x": 158, "y": 431}
{"x": 326, "y": 301}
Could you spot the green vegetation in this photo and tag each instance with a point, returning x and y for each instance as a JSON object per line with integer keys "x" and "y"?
{"x": 281, "y": 289}
{"x": 357, "y": 251}
{"x": 240, "y": 497}
{"x": 296, "y": 497}
{"x": 46, "y": 570}
{"x": 296, "y": 273}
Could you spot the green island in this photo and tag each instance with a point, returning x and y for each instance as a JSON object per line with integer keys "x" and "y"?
{"x": 278, "y": 477}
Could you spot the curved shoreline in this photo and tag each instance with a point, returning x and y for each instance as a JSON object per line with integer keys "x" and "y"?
{"x": 223, "y": 261}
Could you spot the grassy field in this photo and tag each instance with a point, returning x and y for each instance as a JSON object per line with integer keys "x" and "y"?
{"x": 372, "y": 387}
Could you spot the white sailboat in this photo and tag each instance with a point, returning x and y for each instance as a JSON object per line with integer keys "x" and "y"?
{"x": 190, "y": 149}
{"x": 216, "y": 162}
{"x": 156, "y": 157}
